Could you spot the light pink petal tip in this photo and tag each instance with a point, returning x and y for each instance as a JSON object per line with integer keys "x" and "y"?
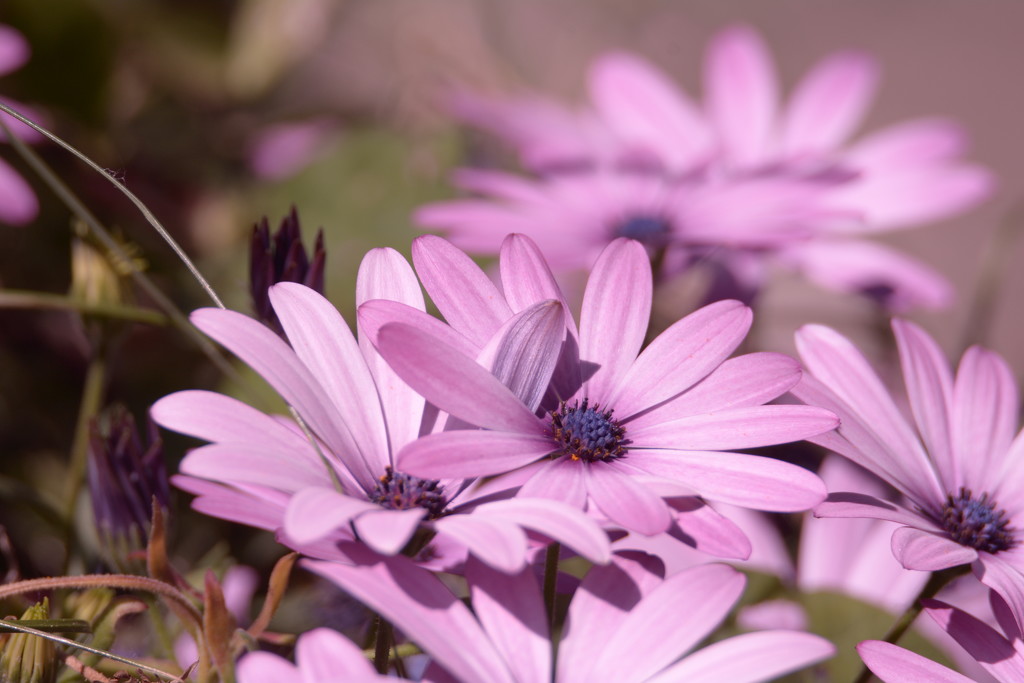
{"x": 323, "y": 654}
{"x": 927, "y": 551}
{"x": 750, "y": 658}
{"x": 893, "y": 664}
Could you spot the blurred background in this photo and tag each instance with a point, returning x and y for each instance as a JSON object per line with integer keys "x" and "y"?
{"x": 219, "y": 112}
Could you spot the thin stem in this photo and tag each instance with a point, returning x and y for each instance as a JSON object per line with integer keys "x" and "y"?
{"x": 12, "y": 298}
{"x": 550, "y": 582}
{"x": 382, "y": 645}
{"x": 935, "y": 583}
{"x": 147, "y": 214}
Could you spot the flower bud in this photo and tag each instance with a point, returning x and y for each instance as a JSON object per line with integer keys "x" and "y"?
{"x": 28, "y": 658}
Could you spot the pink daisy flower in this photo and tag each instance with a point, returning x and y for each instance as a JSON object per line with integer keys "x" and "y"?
{"x": 959, "y": 469}
{"x": 622, "y": 430}
{"x": 18, "y": 203}
{"x": 1001, "y": 656}
{"x": 742, "y": 140}
{"x": 625, "y": 623}
{"x": 344, "y": 483}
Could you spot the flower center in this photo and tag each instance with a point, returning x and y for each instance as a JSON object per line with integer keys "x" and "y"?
{"x": 400, "y": 491}
{"x": 588, "y": 434}
{"x": 977, "y": 522}
{"x": 651, "y": 231}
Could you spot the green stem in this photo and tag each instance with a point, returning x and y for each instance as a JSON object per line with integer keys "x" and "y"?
{"x": 382, "y": 645}
{"x": 935, "y": 583}
{"x": 550, "y": 582}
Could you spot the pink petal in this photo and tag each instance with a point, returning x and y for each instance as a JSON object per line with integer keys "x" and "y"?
{"x": 254, "y": 464}
{"x": 264, "y": 667}
{"x": 376, "y": 313}
{"x": 893, "y": 664}
{"x": 314, "y": 513}
{"x": 735, "y": 428}
{"x": 1005, "y": 578}
{"x": 846, "y": 504}
{"x": 525, "y": 275}
{"x": 219, "y": 418}
{"x": 745, "y": 480}
{"x": 681, "y": 356}
{"x": 255, "y": 506}
{"x": 740, "y": 382}
{"x": 471, "y": 453}
{"x": 388, "y": 531}
{"x": 560, "y": 479}
{"x": 687, "y": 607}
{"x": 282, "y": 150}
{"x": 829, "y": 103}
{"x": 750, "y": 657}
{"x": 428, "y": 612}
{"x": 323, "y": 654}
{"x": 18, "y": 203}
{"x": 556, "y": 520}
{"x": 324, "y": 343}
{"x": 929, "y": 551}
{"x": 518, "y": 628}
{"x": 499, "y": 185}
{"x": 986, "y": 645}
{"x": 498, "y": 542}
{"x": 467, "y": 299}
{"x": 14, "y": 50}
{"x": 616, "y": 312}
{"x": 710, "y": 532}
{"x": 913, "y": 143}
{"x": 985, "y": 410}
{"x": 647, "y": 110}
{"x": 452, "y": 381}
{"x": 626, "y": 502}
{"x": 930, "y": 389}
{"x": 742, "y": 96}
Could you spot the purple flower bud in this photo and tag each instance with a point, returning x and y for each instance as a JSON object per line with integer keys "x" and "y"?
{"x": 281, "y": 257}
{"x": 125, "y": 476}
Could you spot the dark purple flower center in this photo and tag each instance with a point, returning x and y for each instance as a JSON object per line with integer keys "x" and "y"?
{"x": 977, "y": 522}
{"x": 400, "y": 491}
{"x": 587, "y": 434}
{"x": 651, "y": 231}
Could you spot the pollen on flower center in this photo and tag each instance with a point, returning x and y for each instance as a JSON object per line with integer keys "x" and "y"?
{"x": 652, "y": 231}
{"x": 976, "y": 522}
{"x": 400, "y": 491}
{"x": 587, "y": 434}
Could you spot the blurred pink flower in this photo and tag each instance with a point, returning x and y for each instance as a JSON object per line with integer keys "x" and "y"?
{"x": 960, "y": 470}
{"x": 320, "y": 655}
{"x": 625, "y": 623}
{"x": 18, "y": 203}
{"x": 265, "y": 471}
{"x": 741, "y": 143}
{"x": 282, "y": 150}
{"x": 623, "y": 430}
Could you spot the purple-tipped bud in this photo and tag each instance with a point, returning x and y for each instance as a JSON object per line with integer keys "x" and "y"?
{"x": 125, "y": 477}
{"x": 281, "y": 257}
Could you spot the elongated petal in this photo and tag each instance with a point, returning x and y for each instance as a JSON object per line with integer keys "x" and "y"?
{"x": 315, "y": 512}
{"x": 471, "y": 453}
{"x": 989, "y": 647}
{"x": 742, "y": 95}
{"x": 556, "y": 520}
{"x": 616, "y": 312}
{"x": 518, "y": 628}
{"x": 687, "y": 607}
{"x": 750, "y": 658}
{"x": 497, "y": 541}
{"x": 709, "y": 531}
{"x": 849, "y": 504}
{"x": 829, "y": 103}
{"x": 647, "y": 110}
{"x": 264, "y": 667}
{"x": 260, "y": 507}
{"x": 388, "y": 531}
{"x": 893, "y": 664}
{"x": 560, "y": 479}
{"x": 376, "y": 313}
{"x": 384, "y": 274}
{"x": 745, "y": 480}
{"x": 325, "y": 344}
{"x": 428, "y": 612}
{"x": 985, "y": 410}
{"x": 254, "y": 464}
{"x": 1004, "y": 578}
{"x": 928, "y": 551}
{"x": 271, "y": 358}
{"x": 930, "y": 389}
{"x": 526, "y": 277}
{"x": 681, "y": 356}
{"x": 467, "y": 299}
{"x": 216, "y": 417}
{"x": 920, "y": 142}
{"x": 323, "y": 654}
{"x": 453, "y": 382}
{"x": 626, "y": 502}
{"x": 736, "y": 428}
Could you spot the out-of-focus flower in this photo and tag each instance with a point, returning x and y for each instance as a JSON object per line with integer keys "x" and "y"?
{"x": 282, "y": 257}
{"x": 625, "y": 623}
{"x": 18, "y": 203}
{"x": 742, "y": 145}
{"x": 27, "y": 658}
{"x": 283, "y": 149}
{"x": 345, "y": 483}
{"x": 320, "y": 655}
{"x": 622, "y": 430}
{"x": 126, "y": 477}
{"x": 999, "y": 655}
{"x": 960, "y": 470}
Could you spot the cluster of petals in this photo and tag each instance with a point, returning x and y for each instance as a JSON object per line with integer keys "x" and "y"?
{"x": 1001, "y": 656}
{"x": 741, "y": 172}
{"x": 626, "y": 622}
{"x": 325, "y": 479}
{"x": 18, "y": 203}
{"x": 681, "y": 405}
{"x": 958, "y": 467}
